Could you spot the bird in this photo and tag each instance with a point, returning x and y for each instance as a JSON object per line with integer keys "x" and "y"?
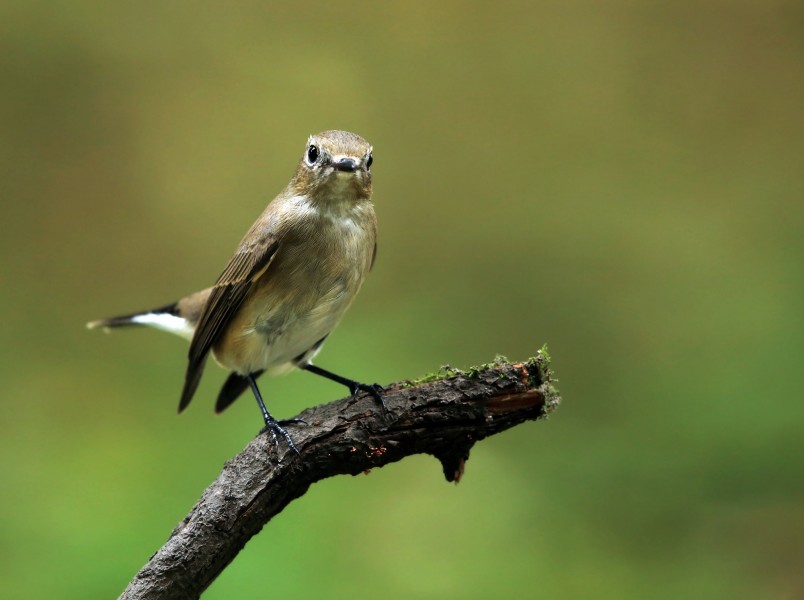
{"x": 290, "y": 281}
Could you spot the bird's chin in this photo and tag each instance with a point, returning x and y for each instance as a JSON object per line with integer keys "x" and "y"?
{"x": 343, "y": 183}
{"x": 344, "y": 175}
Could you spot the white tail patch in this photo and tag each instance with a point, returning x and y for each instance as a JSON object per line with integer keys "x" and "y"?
{"x": 166, "y": 322}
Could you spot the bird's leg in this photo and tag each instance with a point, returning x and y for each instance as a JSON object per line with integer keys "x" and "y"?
{"x": 374, "y": 388}
{"x": 271, "y": 424}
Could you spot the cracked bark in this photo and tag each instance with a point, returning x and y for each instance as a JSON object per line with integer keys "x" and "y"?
{"x": 444, "y": 417}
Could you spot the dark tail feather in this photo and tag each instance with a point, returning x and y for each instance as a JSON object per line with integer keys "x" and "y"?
{"x": 191, "y": 380}
{"x": 126, "y": 320}
{"x": 232, "y": 388}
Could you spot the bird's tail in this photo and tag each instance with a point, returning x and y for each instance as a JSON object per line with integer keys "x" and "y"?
{"x": 166, "y": 318}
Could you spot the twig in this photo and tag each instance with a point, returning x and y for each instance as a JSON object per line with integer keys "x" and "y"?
{"x": 443, "y": 415}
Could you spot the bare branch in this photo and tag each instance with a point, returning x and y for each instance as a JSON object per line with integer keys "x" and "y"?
{"x": 443, "y": 415}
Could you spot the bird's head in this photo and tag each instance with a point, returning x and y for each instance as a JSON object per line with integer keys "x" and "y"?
{"x": 335, "y": 165}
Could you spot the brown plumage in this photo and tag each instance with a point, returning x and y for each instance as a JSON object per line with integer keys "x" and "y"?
{"x": 291, "y": 278}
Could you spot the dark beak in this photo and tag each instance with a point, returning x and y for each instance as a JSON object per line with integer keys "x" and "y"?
{"x": 347, "y": 165}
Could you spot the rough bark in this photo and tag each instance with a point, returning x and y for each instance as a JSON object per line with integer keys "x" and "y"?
{"x": 443, "y": 415}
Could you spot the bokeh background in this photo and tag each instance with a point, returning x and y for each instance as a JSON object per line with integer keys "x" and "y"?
{"x": 620, "y": 180}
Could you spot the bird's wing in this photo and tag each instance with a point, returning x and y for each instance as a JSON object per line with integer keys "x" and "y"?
{"x": 247, "y": 265}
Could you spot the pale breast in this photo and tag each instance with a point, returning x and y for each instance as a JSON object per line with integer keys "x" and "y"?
{"x": 307, "y": 288}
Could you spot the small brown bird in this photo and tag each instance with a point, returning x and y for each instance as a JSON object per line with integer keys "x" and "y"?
{"x": 290, "y": 281}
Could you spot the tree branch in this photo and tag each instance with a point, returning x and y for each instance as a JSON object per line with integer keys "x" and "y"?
{"x": 442, "y": 414}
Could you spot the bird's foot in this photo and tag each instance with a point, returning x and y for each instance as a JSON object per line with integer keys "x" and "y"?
{"x": 372, "y": 388}
{"x": 354, "y": 386}
{"x": 293, "y": 421}
{"x": 273, "y": 427}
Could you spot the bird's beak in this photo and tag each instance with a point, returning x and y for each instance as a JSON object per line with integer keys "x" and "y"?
{"x": 346, "y": 165}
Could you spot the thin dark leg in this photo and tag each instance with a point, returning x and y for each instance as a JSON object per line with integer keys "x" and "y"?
{"x": 271, "y": 424}
{"x": 374, "y": 389}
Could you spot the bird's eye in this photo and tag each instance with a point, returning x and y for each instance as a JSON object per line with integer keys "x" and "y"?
{"x": 369, "y": 161}
{"x": 312, "y": 154}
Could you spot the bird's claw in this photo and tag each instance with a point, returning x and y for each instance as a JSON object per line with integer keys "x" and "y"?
{"x": 273, "y": 427}
{"x": 372, "y": 388}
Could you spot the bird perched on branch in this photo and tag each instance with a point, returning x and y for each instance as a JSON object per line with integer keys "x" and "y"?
{"x": 290, "y": 281}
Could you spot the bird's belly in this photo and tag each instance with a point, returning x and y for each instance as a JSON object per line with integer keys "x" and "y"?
{"x": 274, "y": 329}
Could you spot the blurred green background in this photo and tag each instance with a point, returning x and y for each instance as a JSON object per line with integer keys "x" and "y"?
{"x": 621, "y": 180}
